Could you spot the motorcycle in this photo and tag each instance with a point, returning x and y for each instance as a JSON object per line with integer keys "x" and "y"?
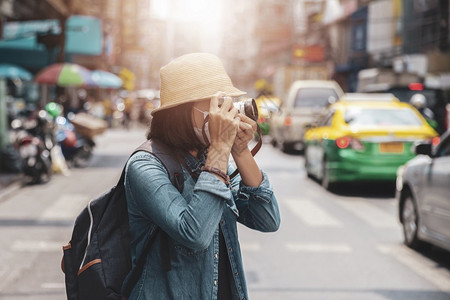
{"x": 35, "y": 156}
{"x": 77, "y": 149}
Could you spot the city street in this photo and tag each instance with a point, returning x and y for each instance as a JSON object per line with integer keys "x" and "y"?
{"x": 344, "y": 246}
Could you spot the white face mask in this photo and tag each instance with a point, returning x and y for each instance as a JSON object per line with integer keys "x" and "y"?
{"x": 199, "y": 131}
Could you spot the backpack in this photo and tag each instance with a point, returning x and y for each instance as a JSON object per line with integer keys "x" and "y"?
{"x": 97, "y": 259}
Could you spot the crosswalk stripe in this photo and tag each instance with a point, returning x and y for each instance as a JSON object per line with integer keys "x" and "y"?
{"x": 311, "y": 213}
{"x": 318, "y": 248}
{"x": 423, "y": 267}
{"x": 66, "y": 207}
{"x": 369, "y": 213}
{"x": 35, "y": 245}
{"x": 53, "y": 285}
{"x": 250, "y": 247}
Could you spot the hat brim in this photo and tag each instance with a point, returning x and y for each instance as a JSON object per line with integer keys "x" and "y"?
{"x": 236, "y": 93}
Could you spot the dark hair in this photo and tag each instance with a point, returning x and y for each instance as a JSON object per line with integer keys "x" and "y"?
{"x": 173, "y": 126}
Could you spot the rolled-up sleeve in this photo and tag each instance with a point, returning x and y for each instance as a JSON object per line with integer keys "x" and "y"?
{"x": 192, "y": 223}
{"x": 258, "y": 206}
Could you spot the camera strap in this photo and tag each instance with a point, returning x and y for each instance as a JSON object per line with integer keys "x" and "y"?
{"x": 253, "y": 151}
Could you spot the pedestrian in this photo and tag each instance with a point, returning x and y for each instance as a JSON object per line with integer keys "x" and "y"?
{"x": 200, "y": 222}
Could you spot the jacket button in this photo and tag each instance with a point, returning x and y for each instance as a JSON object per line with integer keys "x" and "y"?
{"x": 230, "y": 249}
{"x": 216, "y": 256}
{"x": 236, "y": 274}
{"x": 215, "y": 282}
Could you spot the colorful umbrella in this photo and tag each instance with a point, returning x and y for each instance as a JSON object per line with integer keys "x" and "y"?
{"x": 13, "y": 72}
{"x": 65, "y": 74}
{"x": 105, "y": 79}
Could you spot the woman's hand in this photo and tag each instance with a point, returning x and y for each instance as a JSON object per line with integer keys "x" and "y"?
{"x": 249, "y": 170}
{"x": 245, "y": 133}
{"x": 223, "y": 126}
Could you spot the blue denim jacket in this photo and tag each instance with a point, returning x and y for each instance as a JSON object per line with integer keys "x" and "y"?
{"x": 191, "y": 220}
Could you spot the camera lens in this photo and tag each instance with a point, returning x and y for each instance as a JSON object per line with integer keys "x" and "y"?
{"x": 247, "y": 106}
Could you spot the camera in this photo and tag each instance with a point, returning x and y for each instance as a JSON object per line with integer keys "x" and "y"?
{"x": 245, "y": 106}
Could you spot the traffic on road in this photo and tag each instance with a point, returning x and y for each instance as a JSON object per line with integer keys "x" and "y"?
{"x": 344, "y": 104}
{"x": 345, "y": 244}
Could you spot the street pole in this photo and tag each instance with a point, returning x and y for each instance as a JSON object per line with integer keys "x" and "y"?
{"x": 4, "y": 139}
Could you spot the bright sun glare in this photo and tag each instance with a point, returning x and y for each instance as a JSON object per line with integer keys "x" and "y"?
{"x": 203, "y": 11}
{"x": 201, "y": 16}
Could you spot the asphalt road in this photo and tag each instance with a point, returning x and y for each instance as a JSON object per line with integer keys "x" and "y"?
{"x": 330, "y": 246}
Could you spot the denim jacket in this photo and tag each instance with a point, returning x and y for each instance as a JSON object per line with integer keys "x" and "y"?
{"x": 191, "y": 220}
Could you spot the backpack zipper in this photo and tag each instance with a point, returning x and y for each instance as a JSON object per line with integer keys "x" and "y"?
{"x": 91, "y": 217}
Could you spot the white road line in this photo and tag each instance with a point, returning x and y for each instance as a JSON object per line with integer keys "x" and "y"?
{"x": 369, "y": 213}
{"x": 250, "y": 247}
{"x": 35, "y": 246}
{"x": 318, "y": 248}
{"x": 423, "y": 267}
{"x": 311, "y": 213}
{"x": 66, "y": 207}
{"x": 53, "y": 285}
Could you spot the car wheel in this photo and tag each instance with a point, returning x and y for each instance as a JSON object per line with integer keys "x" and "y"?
{"x": 287, "y": 147}
{"x": 410, "y": 222}
{"x": 326, "y": 184}
{"x": 307, "y": 166}
{"x": 81, "y": 159}
{"x": 273, "y": 142}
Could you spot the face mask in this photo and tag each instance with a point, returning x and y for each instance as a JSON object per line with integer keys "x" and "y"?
{"x": 199, "y": 131}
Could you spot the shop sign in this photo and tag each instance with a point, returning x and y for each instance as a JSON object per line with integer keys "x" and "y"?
{"x": 84, "y": 35}
{"x": 314, "y": 53}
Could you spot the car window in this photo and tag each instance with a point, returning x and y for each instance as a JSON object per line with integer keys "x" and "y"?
{"x": 444, "y": 147}
{"x": 381, "y": 117}
{"x": 308, "y": 97}
{"x": 327, "y": 119}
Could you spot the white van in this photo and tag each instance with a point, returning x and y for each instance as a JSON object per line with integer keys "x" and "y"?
{"x": 305, "y": 102}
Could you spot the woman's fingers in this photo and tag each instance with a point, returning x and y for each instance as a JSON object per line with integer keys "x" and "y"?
{"x": 214, "y": 104}
{"x": 247, "y": 123}
{"x": 228, "y": 108}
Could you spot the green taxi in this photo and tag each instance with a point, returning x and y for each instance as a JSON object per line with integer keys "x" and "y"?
{"x": 364, "y": 137}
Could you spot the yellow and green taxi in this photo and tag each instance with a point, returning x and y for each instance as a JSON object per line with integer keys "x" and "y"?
{"x": 266, "y": 105}
{"x": 364, "y": 137}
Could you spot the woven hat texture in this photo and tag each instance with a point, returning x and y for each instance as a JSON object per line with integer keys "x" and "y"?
{"x": 194, "y": 77}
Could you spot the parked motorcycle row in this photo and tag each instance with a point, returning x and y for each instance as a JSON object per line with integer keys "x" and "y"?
{"x": 45, "y": 142}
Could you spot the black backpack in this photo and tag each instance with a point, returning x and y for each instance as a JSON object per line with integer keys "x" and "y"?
{"x": 97, "y": 259}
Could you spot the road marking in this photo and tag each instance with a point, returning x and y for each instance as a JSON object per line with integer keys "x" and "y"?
{"x": 312, "y": 214}
{"x": 53, "y": 285}
{"x": 35, "y": 246}
{"x": 318, "y": 248}
{"x": 423, "y": 267}
{"x": 250, "y": 247}
{"x": 369, "y": 213}
{"x": 66, "y": 207}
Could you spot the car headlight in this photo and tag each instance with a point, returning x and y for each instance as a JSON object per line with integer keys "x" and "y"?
{"x": 399, "y": 180}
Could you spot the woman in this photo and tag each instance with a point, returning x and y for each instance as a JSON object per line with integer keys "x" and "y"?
{"x": 200, "y": 222}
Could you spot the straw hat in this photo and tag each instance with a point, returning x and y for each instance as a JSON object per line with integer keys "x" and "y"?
{"x": 194, "y": 77}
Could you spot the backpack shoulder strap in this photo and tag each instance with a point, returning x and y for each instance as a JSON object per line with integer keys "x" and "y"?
{"x": 168, "y": 158}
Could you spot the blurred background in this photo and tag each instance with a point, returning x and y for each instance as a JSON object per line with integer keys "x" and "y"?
{"x": 353, "y": 99}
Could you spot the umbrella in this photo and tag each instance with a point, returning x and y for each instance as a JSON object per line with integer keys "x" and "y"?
{"x": 65, "y": 74}
{"x": 105, "y": 79}
{"x": 13, "y": 72}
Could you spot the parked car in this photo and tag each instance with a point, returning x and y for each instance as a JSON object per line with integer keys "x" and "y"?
{"x": 423, "y": 194}
{"x": 365, "y": 139}
{"x": 305, "y": 102}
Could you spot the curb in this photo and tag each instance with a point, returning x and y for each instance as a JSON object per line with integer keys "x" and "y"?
{"x": 9, "y": 187}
